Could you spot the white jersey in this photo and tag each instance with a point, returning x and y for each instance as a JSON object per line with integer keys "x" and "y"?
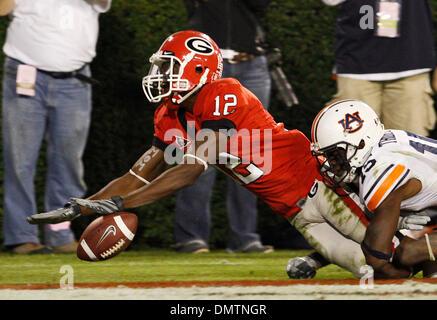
{"x": 398, "y": 157}
{"x": 54, "y": 35}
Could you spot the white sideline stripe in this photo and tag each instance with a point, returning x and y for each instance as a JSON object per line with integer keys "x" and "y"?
{"x": 87, "y": 250}
{"x": 120, "y": 224}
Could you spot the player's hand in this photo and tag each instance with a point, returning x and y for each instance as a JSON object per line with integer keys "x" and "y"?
{"x": 103, "y": 207}
{"x": 413, "y": 222}
{"x": 69, "y": 212}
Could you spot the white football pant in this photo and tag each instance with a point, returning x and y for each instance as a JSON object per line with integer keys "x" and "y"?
{"x": 334, "y": 226}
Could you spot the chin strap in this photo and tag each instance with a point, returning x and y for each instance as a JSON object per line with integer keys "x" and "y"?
{"x": 178, "y": 99}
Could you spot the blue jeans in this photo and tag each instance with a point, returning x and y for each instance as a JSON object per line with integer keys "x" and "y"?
{"x": 59, "y": 112}
{"x": 192, "y": 216}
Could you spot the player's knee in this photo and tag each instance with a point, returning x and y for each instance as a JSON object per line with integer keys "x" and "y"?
{"x": 355, "y": 230}
{"x": 356, "y": 265}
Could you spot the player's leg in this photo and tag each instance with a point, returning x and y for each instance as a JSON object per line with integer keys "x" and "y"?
{"x": 345, "y": 213}
{"x": 192, "y": 214}
{"x": 412, "y": 252}
{"x": 23, "y": 126}
{"x": 334, "y": 226}
{"x": 369, "y": 92}
{"x": 407, "y": 104}
{"x": 429, "y": 269}
{"x": 254, "y": 75}
{"x": 329, "y": 243}
{"x": 429, "y": 266}
{"x": 241, "y": 206}
{"x": 70, "y": 108}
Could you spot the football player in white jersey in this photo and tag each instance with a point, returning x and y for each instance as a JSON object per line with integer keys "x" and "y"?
{"x": 395, "y": 171}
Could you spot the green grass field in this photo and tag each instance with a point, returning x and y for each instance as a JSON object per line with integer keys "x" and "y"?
{"x": 155, "y": 265}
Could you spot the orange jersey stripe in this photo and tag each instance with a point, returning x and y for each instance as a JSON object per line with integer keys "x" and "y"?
{"x": 388, "y": 182}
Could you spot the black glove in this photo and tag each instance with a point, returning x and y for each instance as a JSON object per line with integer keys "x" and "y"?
{"x": 103, "y": 207}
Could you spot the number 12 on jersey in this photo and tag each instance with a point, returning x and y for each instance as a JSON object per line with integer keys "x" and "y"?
{"x": 230, "y": 102}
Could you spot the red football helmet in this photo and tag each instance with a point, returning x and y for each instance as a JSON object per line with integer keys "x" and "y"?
{"x": 184, "y": 63}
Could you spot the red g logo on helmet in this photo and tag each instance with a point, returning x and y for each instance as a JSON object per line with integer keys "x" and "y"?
{"x": 199, "y": 61}
{"x": 352, "y": 122}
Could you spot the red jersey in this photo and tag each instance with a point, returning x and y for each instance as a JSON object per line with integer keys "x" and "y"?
{"x": 272, "y": 162}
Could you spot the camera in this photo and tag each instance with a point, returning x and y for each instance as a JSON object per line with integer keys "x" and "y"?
{"x": 280, "y": 82}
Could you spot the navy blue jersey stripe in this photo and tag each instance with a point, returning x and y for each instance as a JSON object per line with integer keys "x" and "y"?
{"x": 402, "y": 179}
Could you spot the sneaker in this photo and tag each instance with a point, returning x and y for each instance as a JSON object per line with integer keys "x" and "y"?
{"x": 67, "y": 248}
{"x": 30, "y": 248}
{"x": 43, "y": 250}
{"x": 192, "y": 246}
{"x": 254, "y": 247}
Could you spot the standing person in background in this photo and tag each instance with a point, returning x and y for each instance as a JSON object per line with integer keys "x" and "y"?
{"x": 46, "y": 94}
{"x": 234, "y": 26}
{"x": 387, "y": 65}
{"x": 384, "y": 56}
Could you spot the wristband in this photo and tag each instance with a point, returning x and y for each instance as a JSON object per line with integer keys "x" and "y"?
{"x": 376, "y": 253}
{"x": 205, "y": 164}
{"x": 138, "y": 177}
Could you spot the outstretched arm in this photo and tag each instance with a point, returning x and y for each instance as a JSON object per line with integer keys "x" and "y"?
{"x": 180, "y": 176}
{"x": 147, "y": 168}
{"x": 165, "y": 184}
{"x": 150, "y": 165}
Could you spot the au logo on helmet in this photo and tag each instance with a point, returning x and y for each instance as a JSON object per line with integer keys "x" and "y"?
{"x": 352, "y": 122}
{"x": 200, "y": 46}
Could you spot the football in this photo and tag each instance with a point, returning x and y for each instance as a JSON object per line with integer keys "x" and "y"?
{"x": 107, "y": 236}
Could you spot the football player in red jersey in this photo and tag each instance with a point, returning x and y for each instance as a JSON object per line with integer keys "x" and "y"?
{"x": 218, "y": 122}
